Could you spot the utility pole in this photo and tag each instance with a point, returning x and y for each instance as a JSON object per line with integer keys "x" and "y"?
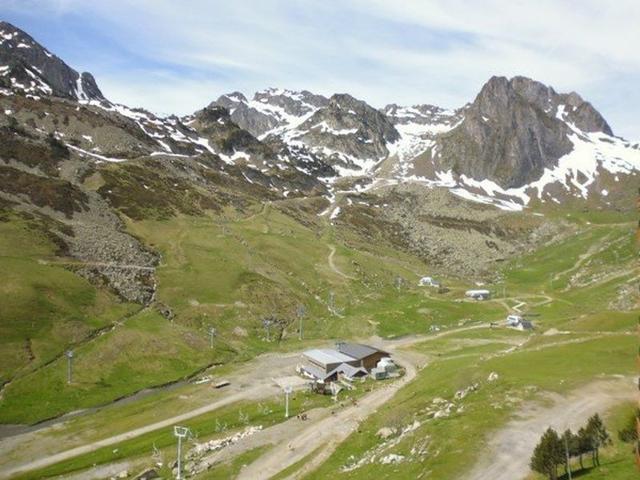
{"x": 300, "y": 312}
{"x": 287, "y": 392}
{"x": 69, "y": 355}
{"x": 212, "y": 333}
{"x": 180, "y": 433}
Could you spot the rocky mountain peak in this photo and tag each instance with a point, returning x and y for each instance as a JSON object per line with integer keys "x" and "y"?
{"x": 213, "y": 113}
{"x": 500, "y": 93}
{"x": 517, "y": 139}
{"x": 351, "y": 133}
{"x": 514, "y": 129}
{"x": 270, "y": 109}
{"x": 27, "y": 66}
{"x": 230, "y": 100}
{"x": 293, "y": 102}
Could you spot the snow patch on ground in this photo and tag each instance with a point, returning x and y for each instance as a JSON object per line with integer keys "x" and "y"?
{"x": 94, "y": 155}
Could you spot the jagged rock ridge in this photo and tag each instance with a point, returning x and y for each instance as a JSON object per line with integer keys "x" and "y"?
{"x": 28, "y": 66}
{"x": 512, "y": 132}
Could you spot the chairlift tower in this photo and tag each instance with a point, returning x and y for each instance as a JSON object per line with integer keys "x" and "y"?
{"x": 300, "y": 312}
{"x": 287, "y": 392}
{"x": 69, "y": 355}
{"x": 266, "y": 323}
{"x": 212, "y": 333}
{"x": 331, "y": 303}
{"x": 180, "y": 433}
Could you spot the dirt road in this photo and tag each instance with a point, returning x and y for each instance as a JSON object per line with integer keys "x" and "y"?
{"x": 15, "y": 453}
{"x": 329, "y": 431}
{"x": 323, "y": 433}
{"x": 122, "y": 266}
{"x": 252, "y": 392}
{"x": 247, "y": 384}
{"x": 509, "y": 450}
{"x": 332, "y": 265}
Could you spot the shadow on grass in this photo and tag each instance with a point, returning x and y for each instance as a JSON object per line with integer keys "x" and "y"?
{"x": 580, "y": 472}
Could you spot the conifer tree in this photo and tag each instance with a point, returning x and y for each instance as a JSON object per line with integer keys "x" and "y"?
{"x": 548, "y": 454}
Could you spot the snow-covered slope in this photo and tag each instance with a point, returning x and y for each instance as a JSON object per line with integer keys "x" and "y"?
{"x": 271, "y": 111}
{"x": 418, "y": 127}
{"x": 576, "y": 174}
{"x": 555, "y": 147}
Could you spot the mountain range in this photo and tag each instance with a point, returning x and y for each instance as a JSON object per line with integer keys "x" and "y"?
{"x": 409, "y": 174}
{"x": 517, "y": 141}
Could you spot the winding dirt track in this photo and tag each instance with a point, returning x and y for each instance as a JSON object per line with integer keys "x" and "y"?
{"x": 248, "y": 384}
{"x": 79, "y": 263}
{"x": 261, "y": 388}
{"x": 508, "y": 452}
{"x": 332, "y": 265}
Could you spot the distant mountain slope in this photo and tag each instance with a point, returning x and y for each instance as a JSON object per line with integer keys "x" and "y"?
{"x": 271, "y": 110}
{"x": 518, "y": 142}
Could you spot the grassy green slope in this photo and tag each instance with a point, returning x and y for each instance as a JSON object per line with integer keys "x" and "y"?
{"x": 228, "y": 274}
{"x": 592, "y": 329}
{"x": 231, "y": 272}
{"x": 43, "y": 308}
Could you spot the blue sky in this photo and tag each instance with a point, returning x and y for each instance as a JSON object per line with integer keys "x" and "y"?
{"x": 176, "y": 57}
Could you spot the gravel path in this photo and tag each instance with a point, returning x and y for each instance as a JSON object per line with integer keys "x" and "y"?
{"x": 332, "y": 265}
{"x": 508, "y": 449}
{"x": 508, "y": 452}
{"x": 247, "y": 384}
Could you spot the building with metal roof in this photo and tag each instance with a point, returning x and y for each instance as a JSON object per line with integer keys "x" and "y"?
{"x": 327, "y": 357}
{"x": 350, "y": 360}
{"x": 367, "y": 356}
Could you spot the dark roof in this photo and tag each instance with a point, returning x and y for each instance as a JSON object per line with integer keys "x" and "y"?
{"x": 356, "y": 350}
{"x": 349, "y": 370}
{"x": 318, "y": 373}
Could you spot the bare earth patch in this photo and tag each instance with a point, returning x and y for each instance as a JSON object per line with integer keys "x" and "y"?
{"x": 510, "y": 448}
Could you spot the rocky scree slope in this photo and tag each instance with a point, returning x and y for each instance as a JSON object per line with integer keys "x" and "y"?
{"x": 78, "y": 162}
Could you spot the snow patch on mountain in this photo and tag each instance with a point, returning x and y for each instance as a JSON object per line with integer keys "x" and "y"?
{"x": 325, "y": 128}
{"x": 418, "y": 127}
{"x": 575, "y": 172}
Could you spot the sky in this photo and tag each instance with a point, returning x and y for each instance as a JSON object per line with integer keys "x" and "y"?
{"x": 177, "y": 56}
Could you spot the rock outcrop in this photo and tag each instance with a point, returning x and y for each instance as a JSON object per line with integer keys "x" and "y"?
{"x": 28, "y": 66}
{"x": 513, "y": 130}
